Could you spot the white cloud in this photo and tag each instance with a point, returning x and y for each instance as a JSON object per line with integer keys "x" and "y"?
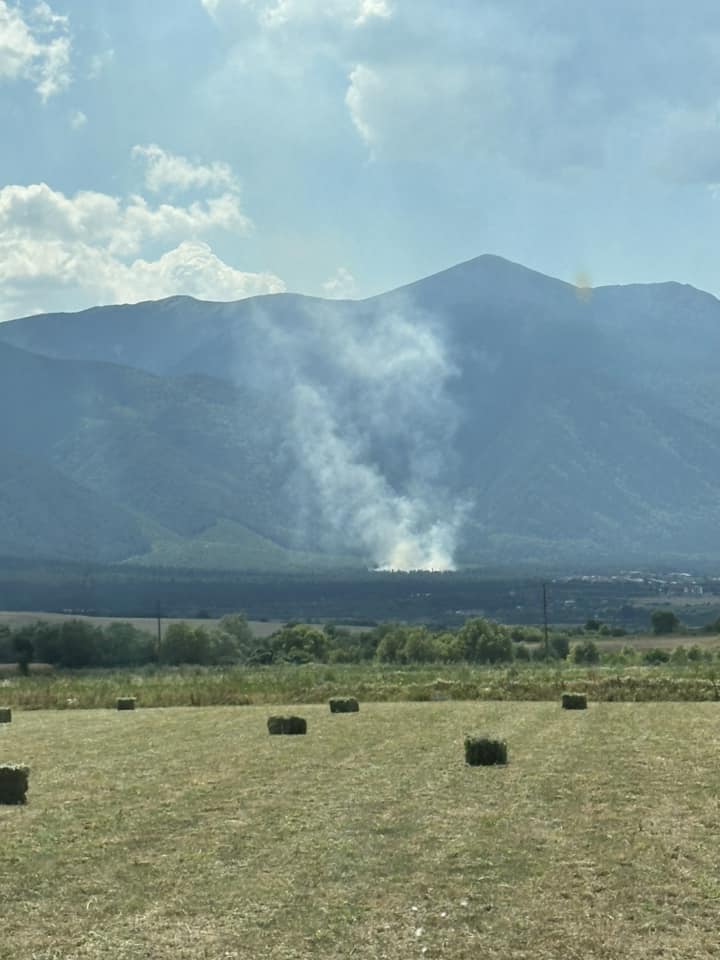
{"x": 120, "y": 226}
{"x": 364, "y": 87}
{"x": 166, "y": 170}
{"x": 340, "y": 287}
{"x": 68, "y": 252}
{"x": 99, "y": 62}
{"x": 78, "y": 120}
{"x": 275, "y": 13}
{"x": 35, "y": 47}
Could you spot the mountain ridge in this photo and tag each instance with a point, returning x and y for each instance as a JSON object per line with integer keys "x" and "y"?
{"x": 486, "y": 413}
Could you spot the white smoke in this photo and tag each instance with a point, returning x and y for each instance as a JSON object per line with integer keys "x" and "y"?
{"x": 360, "y": 388}
{"x": 399, "y": 532}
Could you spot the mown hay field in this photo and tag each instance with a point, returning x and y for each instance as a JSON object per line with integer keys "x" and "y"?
{"x": 190, "y": 833}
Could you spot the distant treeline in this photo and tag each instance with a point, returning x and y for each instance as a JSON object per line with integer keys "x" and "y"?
{"x": 78, "y": 643}
{"x": 443, "y": 599}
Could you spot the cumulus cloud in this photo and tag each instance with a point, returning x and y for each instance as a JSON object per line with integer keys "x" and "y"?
{"x": 342, "y": 286}
{"x": 35, "y": 46}
{"x": 165, "y": 170}
{"x": 68, "y": 252}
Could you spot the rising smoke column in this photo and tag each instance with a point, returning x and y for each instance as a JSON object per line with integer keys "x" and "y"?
{"x": 359, "y": 386}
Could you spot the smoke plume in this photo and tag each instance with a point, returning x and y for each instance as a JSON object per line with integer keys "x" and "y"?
{"x": 372, "y": 424}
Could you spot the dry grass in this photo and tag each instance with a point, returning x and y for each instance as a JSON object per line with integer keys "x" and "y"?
{"x": 189, "y": 834}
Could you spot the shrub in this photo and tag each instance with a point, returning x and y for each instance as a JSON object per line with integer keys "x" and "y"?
{"x": 13, "y": 783}
{"x": 5, "y": 714}
{"x": 592, "y": 625}
{"x": 287, "y": 725}
{"x": 522, "y": 652}
{"x": 585, "y": 652}
{"x": 126, "y": 703}
{"x": 484, "y": 752}
{"x": 574, "y": 701}
{"x": 559, "y": 646}
{"x": 679, "y": 657}
{"x": 526, "y": 634}
{"x": 655, "y": 656}
{"x": 344, "y": 705}
{"x": 694, "y": 653}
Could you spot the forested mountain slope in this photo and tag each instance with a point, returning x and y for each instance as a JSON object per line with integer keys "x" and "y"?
{"x": 485, "y": 414}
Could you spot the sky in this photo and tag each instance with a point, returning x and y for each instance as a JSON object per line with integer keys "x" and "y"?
{"x": 340, "y": 148}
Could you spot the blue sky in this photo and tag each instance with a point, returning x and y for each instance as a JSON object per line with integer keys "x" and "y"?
{"x": 222, "y": 148}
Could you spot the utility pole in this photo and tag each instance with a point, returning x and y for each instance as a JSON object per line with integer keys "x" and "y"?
{"x": 159, "y": 628}
{"x": 545, "y": 620}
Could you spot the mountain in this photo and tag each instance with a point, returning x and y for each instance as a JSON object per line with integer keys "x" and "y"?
{"x": 486, "y": 414}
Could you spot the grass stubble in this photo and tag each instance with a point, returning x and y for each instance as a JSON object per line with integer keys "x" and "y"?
{"x": 190, "y": 833}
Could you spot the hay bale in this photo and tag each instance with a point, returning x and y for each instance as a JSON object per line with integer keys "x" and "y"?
{"x": 574, "y": 701}
{"x": 288, "y": 725}
{"x": 484, "y": 752}
{"x": 5, "y": 714}
{"x": 344, "y": 705}
{"x": 126, "y": 703}
{"x": 13, "y": 783}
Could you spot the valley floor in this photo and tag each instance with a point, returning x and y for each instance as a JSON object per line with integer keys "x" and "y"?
{"x": 189, "y": 833}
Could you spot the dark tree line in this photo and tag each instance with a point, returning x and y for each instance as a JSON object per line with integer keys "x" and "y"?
{"x": 77, "y": 643}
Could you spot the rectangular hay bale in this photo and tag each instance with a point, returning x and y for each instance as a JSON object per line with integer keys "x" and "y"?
{"x": 13, "y": 783}
{"x": 484, "y": 751}
{"x": 5, "y": 715}
{"x": 344, "y": 705}
{"x": 126, "y": 703}
{"x": 287, "y": 725}
{"x": 574, "y": 701}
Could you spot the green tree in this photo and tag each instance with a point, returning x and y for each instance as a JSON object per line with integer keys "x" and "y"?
{"x": 24, "y": 650}
{"x": 300, "y": 643}
{"x": 664, "y": 621}
{"x": 484, "y": 641}
{"x": 123, "y": 644}
{"x": 182, "y": 643}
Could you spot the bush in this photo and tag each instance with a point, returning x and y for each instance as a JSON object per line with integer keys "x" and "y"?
{"x": 287, "y": 725}
{"x": 13, "y": 783}
{"x": 592, "y": 625}
{"x": 655, "y": 656}
{"x": 585, "y": 652}
{"x": 559, "y": 646}
{"x": 526, "y": 635}
{"x": 484, "y": 752}
{"x": 679, "y": 657}
{"x": 5, "y": 715}
{"x": 574, "y": 701}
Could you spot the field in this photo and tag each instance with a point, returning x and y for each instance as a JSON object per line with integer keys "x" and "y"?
{"x": 190, "y": 833}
